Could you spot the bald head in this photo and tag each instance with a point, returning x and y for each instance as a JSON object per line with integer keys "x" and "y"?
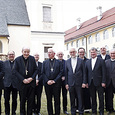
{"x": 103, "y": 50}
{"x": 36, "y": 56}
{"x": 60, "y": 55}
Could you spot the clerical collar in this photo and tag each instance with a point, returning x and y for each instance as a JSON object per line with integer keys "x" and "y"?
{"x": 25, "y": 58}
{"x": 112, "y": 59}
{"x": 52, "y": 59}
{"x": 11, "y": 61}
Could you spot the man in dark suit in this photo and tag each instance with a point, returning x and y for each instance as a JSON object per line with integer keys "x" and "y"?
{"x": 75, "y": 80}
{"x": 86, "y": 93}
{"x": 10, "y": 84}
{"x": 26, "y": 71}
{"x": 96, "y": 77}
{"x": 110, "y": 68}
{"x": 105, "y": 57}
{"x": 103, "y": 54}
{"x": 39, "y": 87}
{"x": 64, "y": 91}
{"x": 52, "y": 71}
{"x": 1, "y": 81}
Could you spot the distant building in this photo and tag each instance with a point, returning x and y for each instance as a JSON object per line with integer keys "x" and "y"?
{"x": 95, "y": 32}
{"x": 14, "y": 26}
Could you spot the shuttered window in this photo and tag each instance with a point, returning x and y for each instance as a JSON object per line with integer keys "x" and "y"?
{"x": 46, "y": 14}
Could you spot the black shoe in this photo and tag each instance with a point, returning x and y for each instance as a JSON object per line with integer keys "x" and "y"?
{"x": 39, "y": 114}
{"x": 34, "y": 114}
{"x": 94, "y": 114}
{"x": 65, "y": 112}
{"x": 14, "y": 113}
{"x": 101, "y": 113}
{"x": 80, "y": 113}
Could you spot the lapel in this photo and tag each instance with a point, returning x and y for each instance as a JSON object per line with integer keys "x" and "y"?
{"x": 111, "y": 66}
{"x": 23, "y": 64}
{"x": 77, "y": 64}
{"x": 48, "y": 64}
{"x": 95, "y": 64}
{"x": 100, "y": 56}
{"x": 90, "y": 64}
{"x": 8, "y": 63}
{"x": 55, "y": 61}
{"x": 70, "y": 65}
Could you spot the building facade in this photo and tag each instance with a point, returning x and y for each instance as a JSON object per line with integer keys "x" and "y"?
{"x": 14, "y": 27}
{"x": 96, "y": 32}
{"x": 33, "y": 23}
{"x": 46, "y": 26}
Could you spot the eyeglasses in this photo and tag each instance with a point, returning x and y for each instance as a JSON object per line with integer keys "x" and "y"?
{"x": 72, "y": 51}
{"x": 10, "y": 54}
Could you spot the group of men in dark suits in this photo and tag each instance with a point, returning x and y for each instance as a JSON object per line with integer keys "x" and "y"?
{"x": 82, "y": 77}
{"x": 96, "y": 74}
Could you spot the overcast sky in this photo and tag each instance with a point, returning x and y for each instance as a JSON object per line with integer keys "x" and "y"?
{"x": 85, "y": 9}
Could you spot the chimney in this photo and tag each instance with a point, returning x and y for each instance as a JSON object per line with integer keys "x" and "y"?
{"x": 78, "y": 23}
{"x": 99, "y": 15}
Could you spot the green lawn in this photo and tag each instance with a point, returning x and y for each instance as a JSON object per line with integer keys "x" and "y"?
{"x": 43, "y": 106}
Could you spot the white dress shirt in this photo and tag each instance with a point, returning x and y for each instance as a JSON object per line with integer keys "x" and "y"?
{"x": 103, "y": 56}
{"x": 73, "y": 63}
{"x": 37, "y": 74}
{"x": 93, "y": 62}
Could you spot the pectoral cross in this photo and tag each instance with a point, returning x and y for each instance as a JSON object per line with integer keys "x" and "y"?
{"x": 51, "y": 69}
{"x": 26, "y": 72}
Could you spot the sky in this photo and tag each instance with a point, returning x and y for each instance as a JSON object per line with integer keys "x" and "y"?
{"x": 84, "y": 9}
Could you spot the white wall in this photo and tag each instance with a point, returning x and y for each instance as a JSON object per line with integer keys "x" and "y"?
{"x": 39, "y": 41}
{"x": 19, "y": 37}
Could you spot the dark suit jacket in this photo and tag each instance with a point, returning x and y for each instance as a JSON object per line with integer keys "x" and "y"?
{"x": 106, "y": 57}
{"x": 1, "y": 75}
{"x": 98, "y": 73}
{"x": 78, "y": 77}
{"x": 57, "y": 73}
{"x": 9, "y": 77}
{"x": 39, "y": 73}
{"x": 110, "y": 73}
{"x": 19, "y": 70}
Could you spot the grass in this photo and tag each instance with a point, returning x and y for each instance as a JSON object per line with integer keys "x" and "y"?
{"x": 43, "y": 106}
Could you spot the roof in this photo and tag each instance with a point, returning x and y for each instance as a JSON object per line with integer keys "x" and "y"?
{"x": 91, "y": 25}
{"x": 12, "y": 12}
{"x": 3, "y": 23}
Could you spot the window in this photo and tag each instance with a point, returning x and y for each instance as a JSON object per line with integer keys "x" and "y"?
{"x": 78, "y": 43}
{"x": 45, "y": 52}
{"x": 105, "y": 34}
{"x": 113, "y": 32}
{"x": 97, "y": 37}
{"x": 67, "y": 46}
{"x": 90, "y": 39}
{"x": 83, "y": 41}
{"x": 46, "y": 14}
{"x": 71, "y": 44}
{"x": 0, "y": 47}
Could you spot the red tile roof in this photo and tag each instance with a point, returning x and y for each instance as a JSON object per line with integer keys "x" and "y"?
{"x": 91, "y": 25}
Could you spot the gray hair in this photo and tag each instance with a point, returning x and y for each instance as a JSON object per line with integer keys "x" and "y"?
{"x": 112, "y": 50}
{"x": 93, "y": 48}
{"x": 25, "y": 47}
{"x": 51, "y": 49}
{"x": 72, "y": 48}
{"x": 11, "y": 51}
